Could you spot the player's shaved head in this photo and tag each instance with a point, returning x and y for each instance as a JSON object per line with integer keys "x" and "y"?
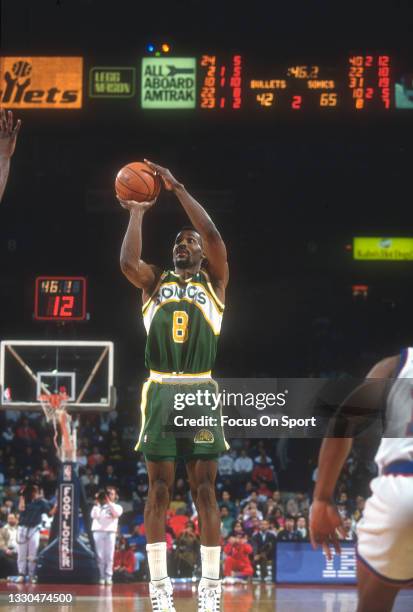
{"x": 189, "y": 228}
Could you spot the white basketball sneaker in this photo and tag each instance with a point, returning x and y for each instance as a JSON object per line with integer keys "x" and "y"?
{"x": 162, "y": 597}
{"x": 209, "y": 598}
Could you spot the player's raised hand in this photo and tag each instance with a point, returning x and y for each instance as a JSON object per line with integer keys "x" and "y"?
{"x": 324, "y": 523}
{"x": 8, "y": 133}
{"x": 132, "y": 205}
{"x": 166, "y": 175}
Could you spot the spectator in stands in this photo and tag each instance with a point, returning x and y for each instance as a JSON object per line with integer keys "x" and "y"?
{"x": 251, "y": 526}
{"x": 178, "y": 502}
{"x": 291, "y": 507}
{"x": 186, "y": 553}
{"x": 237, "y": 561}
{"x": 95, "y": 458}
{"x": 81, "y": 457}
{"x": 8, "y": 547}
{"x": 279, "y": 517}
{"x": 276, "y": 497}
{"x": 12, "y": 489}
{"x": 6, "y": 509}
{"x": 115, "y": 450}
{"x": 302, "y": 528}
{"x": 25, "y": 433}
{"x": 227, "y": 501}
{"x": 28, "y": 462}
{"x": 263, "y": 471}
{"x": 141, "y": 465}
{"x": 243, "y": 466}
{"x": 237, "y": 529}
{"x": 263, "y": 542}
{"x": 178, "y": 522}
{"x": 347, "y": 532}
{"x": 262, "y": 458}
{"x": 263, "y": 492}
{"x": 109, "y": 478}
{"x": 123, "y": 562}
{"x": 90, "y": 482}
{"x": 289, "y": 533}
{"x": 360, "y": 503}
{"x": 225, "y": 465}
{"x": 227, "y": 522}
{"x": 251, "y": 511}
{"x": 7, "y": 434}
{"x": 303, "y": 503}
{"x": 47, "y": 472}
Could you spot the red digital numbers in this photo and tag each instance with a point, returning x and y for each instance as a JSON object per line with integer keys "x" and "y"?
{"x": 62, "y": 306}
{"x": 369, "y": 79}
{"x": 236, "y": 82}
{"x": 296, "y": 103}
{"x": 222, "y": 83}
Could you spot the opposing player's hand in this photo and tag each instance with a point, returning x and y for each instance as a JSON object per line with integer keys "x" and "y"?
{"x": 166, "y": 175}
{"x": 324, "y": 523}
{"x": 8, "y": 133}
{"x": 132, "y": 205}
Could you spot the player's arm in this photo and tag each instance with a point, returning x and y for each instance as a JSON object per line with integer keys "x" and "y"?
{"x": 8, "y": 137}
{"x": 139, "y": 273}
{"x": 214, "y": 246}
{"x": 324, "y": 518}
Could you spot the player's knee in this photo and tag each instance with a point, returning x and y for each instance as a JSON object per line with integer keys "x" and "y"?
{"x": 159, "y": 494}
{"x": 205, "y": 495}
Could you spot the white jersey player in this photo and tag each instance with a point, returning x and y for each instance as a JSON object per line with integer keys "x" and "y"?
{"x": 385, "y": 532}
{"x": 105, "y": 515}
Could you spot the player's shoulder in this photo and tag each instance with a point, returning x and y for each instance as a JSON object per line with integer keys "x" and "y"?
{"x": 386, "y": 368}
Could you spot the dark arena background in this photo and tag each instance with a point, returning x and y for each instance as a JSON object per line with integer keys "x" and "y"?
{"x": 292, "y": 124}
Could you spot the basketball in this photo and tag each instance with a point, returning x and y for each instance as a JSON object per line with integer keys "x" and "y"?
{"x": 136, "y": 181}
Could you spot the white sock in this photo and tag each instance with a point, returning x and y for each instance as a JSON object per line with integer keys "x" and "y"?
{"x": 211, "y": 565}
{"x": 157, "y": 562}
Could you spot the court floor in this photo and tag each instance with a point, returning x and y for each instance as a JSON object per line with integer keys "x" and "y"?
{"x": 237, "y": 598}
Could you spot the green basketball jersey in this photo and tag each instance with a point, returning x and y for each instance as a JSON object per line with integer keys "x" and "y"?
{"x": 183, "y": 323}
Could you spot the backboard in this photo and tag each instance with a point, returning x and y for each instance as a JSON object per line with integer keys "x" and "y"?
{"x": 82, "y": 369}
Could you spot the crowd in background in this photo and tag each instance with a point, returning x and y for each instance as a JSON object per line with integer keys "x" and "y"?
{"x": 256, "y": 512}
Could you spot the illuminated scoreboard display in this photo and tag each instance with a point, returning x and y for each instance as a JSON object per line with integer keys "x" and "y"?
{"x": 217, "y": 82}
{"x": 60, "y": 298}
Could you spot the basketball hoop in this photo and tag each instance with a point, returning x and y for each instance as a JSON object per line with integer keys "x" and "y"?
{"x": 55, "y": 410}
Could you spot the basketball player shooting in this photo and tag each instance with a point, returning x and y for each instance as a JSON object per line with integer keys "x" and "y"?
{"x": 182, "y": 312}
{"x": 385, "y": 532}
{"x": 8, "y": 137}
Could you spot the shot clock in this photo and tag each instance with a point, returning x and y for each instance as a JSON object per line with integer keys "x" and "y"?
{"x": 60, "y": 298}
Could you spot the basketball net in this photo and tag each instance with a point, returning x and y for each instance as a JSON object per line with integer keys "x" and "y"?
{"x": 55, "y": 410}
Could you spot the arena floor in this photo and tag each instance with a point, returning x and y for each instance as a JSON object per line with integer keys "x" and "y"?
{"x": 248, "y": 598}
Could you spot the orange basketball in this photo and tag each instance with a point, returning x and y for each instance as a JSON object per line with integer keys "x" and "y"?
{"x": 137, "y": 181}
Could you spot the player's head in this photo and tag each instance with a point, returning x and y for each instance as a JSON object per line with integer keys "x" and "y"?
{"x": 188, "y": 251}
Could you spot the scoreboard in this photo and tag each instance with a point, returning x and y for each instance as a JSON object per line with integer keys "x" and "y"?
{"x": 60, "y": 298}
{"x": 213, "y": 82}
{"x": 360, "y": 83}
{"x": 220, "y": 82}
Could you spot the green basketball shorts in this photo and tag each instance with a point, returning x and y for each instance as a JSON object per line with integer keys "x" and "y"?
{"x": 178, "y": 420}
